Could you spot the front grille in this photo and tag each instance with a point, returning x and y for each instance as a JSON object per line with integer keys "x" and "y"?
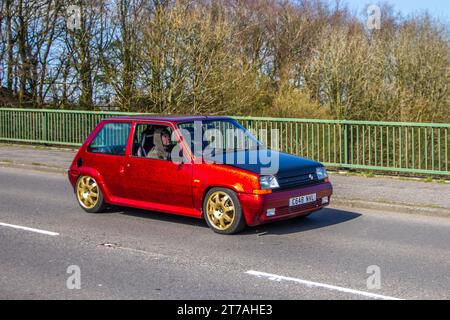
{"x": 303, "y": 180}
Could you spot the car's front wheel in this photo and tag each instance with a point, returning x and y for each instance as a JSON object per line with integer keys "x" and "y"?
{"x": 89, "y": 195}
{"x": 223, "y": 212}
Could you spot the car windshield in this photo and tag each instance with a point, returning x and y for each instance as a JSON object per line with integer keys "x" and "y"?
{"x": 218, "y": 136}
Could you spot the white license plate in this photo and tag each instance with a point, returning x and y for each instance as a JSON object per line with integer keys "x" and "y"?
{"x": 302, "y": 200}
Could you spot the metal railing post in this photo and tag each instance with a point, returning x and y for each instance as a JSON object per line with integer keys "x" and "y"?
{"x": 44, "y": 126}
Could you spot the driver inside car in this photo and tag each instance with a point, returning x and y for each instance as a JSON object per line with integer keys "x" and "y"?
{"x": 162, "y": 145}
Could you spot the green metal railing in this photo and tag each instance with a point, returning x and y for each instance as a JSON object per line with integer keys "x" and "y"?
{"x": 59, "y": 127}
{"x": 388, "y": 146}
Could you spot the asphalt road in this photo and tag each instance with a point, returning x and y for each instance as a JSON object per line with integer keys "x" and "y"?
{"x": 133, "y": 254}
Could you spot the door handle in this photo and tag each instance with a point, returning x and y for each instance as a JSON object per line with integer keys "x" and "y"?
{"x": 122, "y": 168}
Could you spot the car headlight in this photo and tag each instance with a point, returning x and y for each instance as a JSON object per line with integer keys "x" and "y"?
{"x": 321, "y": 173}
{"x": 268, "y": 182}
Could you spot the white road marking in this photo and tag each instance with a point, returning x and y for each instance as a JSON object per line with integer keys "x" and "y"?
{"x": 311, "y": 284}
{"x": 49, "y": 233}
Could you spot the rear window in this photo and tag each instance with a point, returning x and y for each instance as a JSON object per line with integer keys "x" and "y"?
{"x": 111, "y": 139}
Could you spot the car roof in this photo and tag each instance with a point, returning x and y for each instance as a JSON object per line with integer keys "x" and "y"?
{"x": 171, "y": 118}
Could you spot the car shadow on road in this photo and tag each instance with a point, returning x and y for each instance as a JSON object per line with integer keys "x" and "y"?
{"x": 155, "y": 215}
{"x": 321, "y": 219}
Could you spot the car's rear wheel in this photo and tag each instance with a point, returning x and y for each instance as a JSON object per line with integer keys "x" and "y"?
{"x": 222, "y": 211}
{"x": 89, "y": 195}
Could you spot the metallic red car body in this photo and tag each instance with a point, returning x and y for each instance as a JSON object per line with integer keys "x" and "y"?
{"x": 158, "y": 185}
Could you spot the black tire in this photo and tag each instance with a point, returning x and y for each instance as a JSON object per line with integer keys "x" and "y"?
{"x": 100, "y": 204}
{"x": 238, "y": 223}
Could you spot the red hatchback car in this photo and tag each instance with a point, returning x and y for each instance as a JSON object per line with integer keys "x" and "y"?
{"x": 202, "y": 167}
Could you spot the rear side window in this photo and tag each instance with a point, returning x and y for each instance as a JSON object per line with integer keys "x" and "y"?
{"x": 111, "y": 139}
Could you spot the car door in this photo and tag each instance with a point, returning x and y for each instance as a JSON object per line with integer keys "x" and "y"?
{"x": 162, "y": 182}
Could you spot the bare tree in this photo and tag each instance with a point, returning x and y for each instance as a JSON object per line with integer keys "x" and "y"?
{"x": 306, "y": 58}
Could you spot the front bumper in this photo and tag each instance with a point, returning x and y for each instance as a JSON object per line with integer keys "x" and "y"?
{"x": 255, "y": 206}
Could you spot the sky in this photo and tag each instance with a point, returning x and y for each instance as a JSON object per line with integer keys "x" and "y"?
{"x": 438, "y": 8}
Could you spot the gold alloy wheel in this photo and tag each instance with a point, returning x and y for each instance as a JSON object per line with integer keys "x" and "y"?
{"x": 87, "y": 192}
{"x": 220, "y": 210}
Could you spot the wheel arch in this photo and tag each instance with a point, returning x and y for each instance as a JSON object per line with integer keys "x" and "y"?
{"x": 87, "y": 171}
{"x": 247, "y": 218}
{"x": 208, "y": 188}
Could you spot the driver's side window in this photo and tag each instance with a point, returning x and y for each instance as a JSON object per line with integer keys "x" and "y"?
{"x": 152, "y": 141}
